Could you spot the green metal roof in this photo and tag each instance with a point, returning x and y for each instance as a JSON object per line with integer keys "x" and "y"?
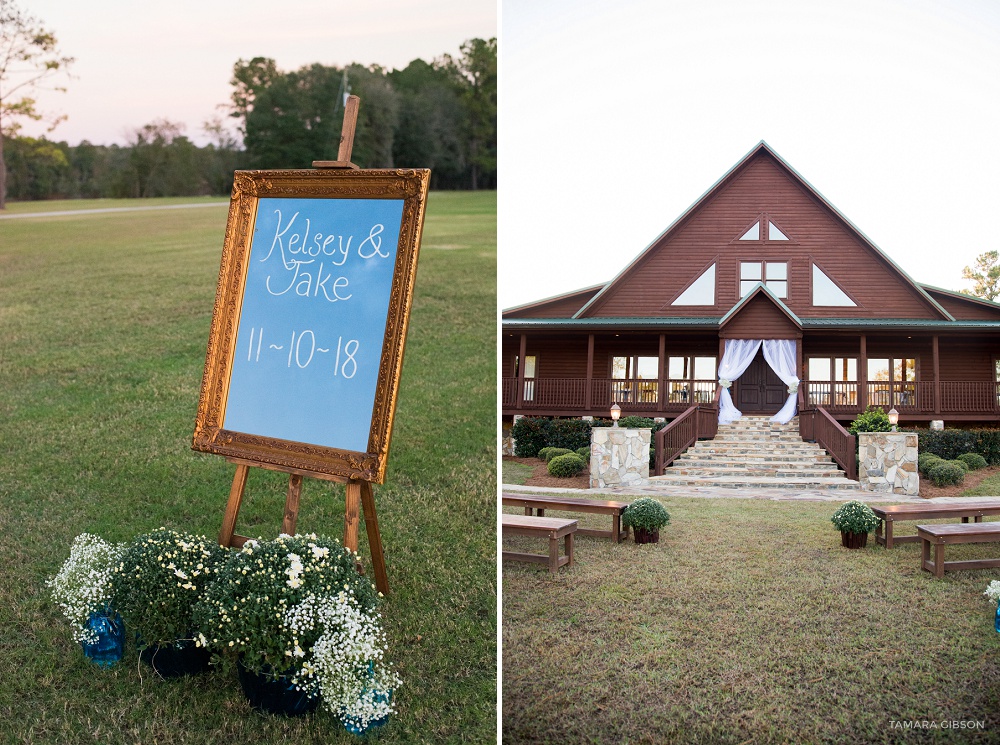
{"x": 713, "y": 322}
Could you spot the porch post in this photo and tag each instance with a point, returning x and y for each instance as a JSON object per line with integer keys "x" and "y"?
{"x": 590, "y": 371}
{"x": 863, "y": 374}
{"x": 937, "y": 376}
{"x": 520, "y": 371}
{"x": 661, "y": 384}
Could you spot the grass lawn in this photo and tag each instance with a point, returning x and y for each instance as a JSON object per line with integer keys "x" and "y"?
{"x": 747, "y": 623}
{"x": 103, "y": 327}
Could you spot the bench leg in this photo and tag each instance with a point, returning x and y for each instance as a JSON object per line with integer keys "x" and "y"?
{"x": 615, "y": 529}
{"x": 925, "y": 553}
{"x": 569, "y": 549}
{"x": 553, "y": 554}
{"x": 966, "y": 519}
{"x": 939, "y": 560}
{"x": 979, "y": 518}
{"x": 527, "y": 512}
{"x": 888, "y": 534}
{"x": 541, "y": 513}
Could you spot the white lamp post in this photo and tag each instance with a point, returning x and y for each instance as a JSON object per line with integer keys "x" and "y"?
{"x": 616, "y": 411}
{"x": 893, "y": 418}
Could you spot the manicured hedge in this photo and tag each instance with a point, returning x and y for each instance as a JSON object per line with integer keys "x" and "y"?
{"x": 529, "y": 435}
{"x": 951, "y": 443}
{"x": 947, "y": 473}
{"x": 973, "y": 460}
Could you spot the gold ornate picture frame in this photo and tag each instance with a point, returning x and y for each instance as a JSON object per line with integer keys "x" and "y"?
{"x": 285, "y": 397}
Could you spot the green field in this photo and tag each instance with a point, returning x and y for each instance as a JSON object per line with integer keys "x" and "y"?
{"x": 747, "y": 623}
{"x": 103, "y": 325}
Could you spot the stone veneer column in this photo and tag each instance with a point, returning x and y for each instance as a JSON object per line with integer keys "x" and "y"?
{"x": 618, "y": 456}
{"x": 887, "y": 463}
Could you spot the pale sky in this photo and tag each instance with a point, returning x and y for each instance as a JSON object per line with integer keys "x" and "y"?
{"x": 137, "y": 61}
{"x": 617, "y": 115}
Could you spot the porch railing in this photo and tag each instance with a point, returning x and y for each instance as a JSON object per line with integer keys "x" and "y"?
{"x": 698, "y": 422}
{"x": 817, "y": 425}
{"x": 676, "y": 396}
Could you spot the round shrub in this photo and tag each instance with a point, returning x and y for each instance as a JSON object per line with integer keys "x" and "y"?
{"x": 543, "y": 452}
{"x": 973, "y": 460}
{"x": 854, "y": 517}
{"x": 961, "y": 464}
{"x": 946, "y": 473}
{"x": 566, "y": 465}
{"x": 584, "y": 453}
{"x": 873, "y": 419}
{"x": 926, "y": 460}
{"x": 553, "y": 453}
{"x": 645, "y": 513}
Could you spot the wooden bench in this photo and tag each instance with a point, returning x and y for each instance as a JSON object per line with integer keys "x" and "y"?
{"x": 900, "y": 512}
{"x": 949, "y": 534}
{"x": 549, "y": 527}
{"x": 574, "y": 504}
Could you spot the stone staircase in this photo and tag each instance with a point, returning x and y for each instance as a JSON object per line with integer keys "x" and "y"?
{"x": 754, "y": 452}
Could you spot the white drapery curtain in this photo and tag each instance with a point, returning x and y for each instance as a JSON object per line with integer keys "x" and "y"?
{"x": 737, "y": 358}
{"x": 780, "y": 355}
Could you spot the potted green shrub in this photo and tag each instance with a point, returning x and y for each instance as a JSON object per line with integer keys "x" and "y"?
{"x": 855, "y": 520}
{"x": 301, "y": 624}
{"x": 646, "y": 516}
{"x": 82, "y": 589}
{"x": 159, "y": 578}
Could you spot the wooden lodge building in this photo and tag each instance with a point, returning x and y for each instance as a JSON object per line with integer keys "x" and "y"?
{"x": 761, "y": 255}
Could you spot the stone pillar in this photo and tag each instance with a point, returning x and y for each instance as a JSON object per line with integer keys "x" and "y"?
{"x": 507, "y": 442}
{"x": 887, "y": 463}
{"x": 618, "y": 457}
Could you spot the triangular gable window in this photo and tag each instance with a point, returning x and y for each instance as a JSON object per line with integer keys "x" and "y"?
{"x": 774, "y": 234}
{"x": 701, "y": 291}
{"x": 826, "y": 292}
{"x": 753, "y": 234}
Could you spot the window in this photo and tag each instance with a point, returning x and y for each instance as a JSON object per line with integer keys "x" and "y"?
{"x": 635, "y": 379}
{"x": 826, "y": 291}
{"x": 753, "y": 234}
{"x": 833, "y": 381}
{"x": 774, "y": 275}
{"x": 530, "y": 363}
{"x": 690, "y": 379}
{"x": 701, "y": 291}
{"x": 774, "y": 234}
{"x": 892, "y": 381}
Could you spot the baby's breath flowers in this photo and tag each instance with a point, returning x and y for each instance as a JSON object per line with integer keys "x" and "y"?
{"x": 855, "y": 517}
{"x": 347, "y": 664}
{"x": 83, "y": 584}
{"x": 159, "y": 578}
{"x": 993, "y": 592}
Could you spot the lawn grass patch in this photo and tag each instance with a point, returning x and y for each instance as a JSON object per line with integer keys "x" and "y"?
{"x": 104, "y": 320}
{"x": 512, "y": 472}
{"x": 988, "y": 487}
{"x": 748, "y": 622}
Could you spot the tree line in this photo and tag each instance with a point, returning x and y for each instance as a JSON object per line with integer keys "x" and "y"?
{"x": 439, "y": 115}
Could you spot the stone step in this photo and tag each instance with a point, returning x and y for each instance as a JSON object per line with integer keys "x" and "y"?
{"x": 733, "y": 450}
{"x": 760, "y": 482}
{"x": 812, "y": 459}
{"x": 780, "y": 473}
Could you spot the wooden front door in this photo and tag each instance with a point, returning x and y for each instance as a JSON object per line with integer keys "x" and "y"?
{"x": 759, "y": 389}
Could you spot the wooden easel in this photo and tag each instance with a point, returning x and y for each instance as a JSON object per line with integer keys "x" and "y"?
{"x": 359, "y": 495}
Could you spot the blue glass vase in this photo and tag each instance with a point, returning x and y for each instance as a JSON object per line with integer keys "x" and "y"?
{"x": 382, "y": 697}
{"x": 110, "y": 644}
{"x": 996, "y": 620}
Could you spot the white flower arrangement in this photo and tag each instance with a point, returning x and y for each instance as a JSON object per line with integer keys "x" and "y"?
{"x": 346, "y": 662}
{"x": 725, "y": 383}
{"x": 993, "y": 592}
{"x": 83, "y": 585}
{"x": 793, "y": 388}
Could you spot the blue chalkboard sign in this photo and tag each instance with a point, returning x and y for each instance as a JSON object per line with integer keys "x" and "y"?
{"x": 306, "y": 344}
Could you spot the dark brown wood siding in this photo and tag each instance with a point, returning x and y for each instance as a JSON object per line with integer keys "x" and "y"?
{"x": 966, "y": 310}
{"x": 561, "y": 307}
{"x": 760, "y": 319}
{"x": 968, "y": 358}
{"x": 710, "y": 233}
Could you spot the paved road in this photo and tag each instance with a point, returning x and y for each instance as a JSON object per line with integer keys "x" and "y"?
{"x": 100, "y": 210}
